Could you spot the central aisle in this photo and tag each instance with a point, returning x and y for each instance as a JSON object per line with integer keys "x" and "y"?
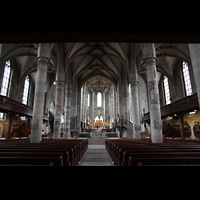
{"x": 96, "y": 155}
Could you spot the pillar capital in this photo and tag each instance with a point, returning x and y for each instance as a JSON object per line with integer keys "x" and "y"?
{"x": 59, "y": 83}
{"x": 44, "y": 50}
{"x": 134, "y": 83}
{"x": 150, "y": 60}
{"x": 42, "y": 59}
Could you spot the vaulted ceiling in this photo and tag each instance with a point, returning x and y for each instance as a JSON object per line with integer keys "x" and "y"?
{"x": 98, "y": 59}
{"x": 98, "y": 84}
{"x": 95, "y": 60}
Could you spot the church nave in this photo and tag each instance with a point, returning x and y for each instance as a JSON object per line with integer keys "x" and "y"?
{"x": 96, "y": 91}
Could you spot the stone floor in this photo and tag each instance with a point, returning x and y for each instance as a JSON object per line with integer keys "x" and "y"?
{"x": 96, "y": 155}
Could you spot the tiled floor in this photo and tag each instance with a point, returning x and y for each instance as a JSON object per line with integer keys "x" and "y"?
{"x": 96, "y": 155}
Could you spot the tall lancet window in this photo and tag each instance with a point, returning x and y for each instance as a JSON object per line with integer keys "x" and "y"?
{"x": 166, "y": 88}
{"x": 26, "y": 91}
{"x": 99, "y": 99}
{"x": 88, "y": 100}
{"x": 5, "y": 84}
{"x": 6, "y": 79}
{"x": 186, "y": 75}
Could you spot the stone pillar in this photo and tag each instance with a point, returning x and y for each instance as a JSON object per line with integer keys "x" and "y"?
{"x": 86, "y": 104}
{"x": 125, "y": 105}
{"x": 104, "y": 106}
{"x": 93, "y": 106}
{"x": 117, "y": 102}
{"x": 125, "y": 95}
{"x": 154, "y": 101}
{"x": 58, "y": 109}
{"x": 149, "y": 56}
{"x": 67, "y": 134}
{"x": 90, "y": 107}
{"x": 82, "y": 103}
{"x": 60, "y": 83}
{"x": 40, "y": 88}
{"x": 74, "y": 106}
{"x": 195, "y": 58}
{"x": 78, "y": 127}
{"x": 111, "y": 105}
{"x": 134, "y": 93}
{"x": 115, "y": 106}
{"x": 68, "y": 94}
{"x": 121, "y": 107}
{"x": 135, "y": 110}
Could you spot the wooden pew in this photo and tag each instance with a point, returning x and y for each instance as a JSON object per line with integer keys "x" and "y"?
{"x": 53, "y": 143}
{"x": 31, "y": 161}
{"x": 124, "y": 153}
{"x": 23, "y": 154}
{"x": 71, "y": 151}
{"x": 70, "y": 160}
{"x": 164, "y": 161}
{"x": 133, "y": 157}
{"x": 127, "y": 152}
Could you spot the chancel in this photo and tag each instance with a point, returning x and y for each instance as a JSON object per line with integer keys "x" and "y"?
{"x": 108, "y": 94}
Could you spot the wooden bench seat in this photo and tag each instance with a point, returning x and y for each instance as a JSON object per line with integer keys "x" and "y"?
{"x": 55, "y": 161}
{"x": 119, "y": 156}
{"x": 156, "y": 154}
{"x": 71, "y": 152}
{"x": 66, "y": 160}
{"x": 68, "y": 153}
{"x": 128, "y": 152}
{"x": 163, "y": 161}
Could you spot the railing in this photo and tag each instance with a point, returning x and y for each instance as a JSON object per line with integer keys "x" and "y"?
{"x": 124, "y": 123}
{"x": 173, "y": 130}
{"x": 186, "y": 104}
{"x": 10, "y": 105}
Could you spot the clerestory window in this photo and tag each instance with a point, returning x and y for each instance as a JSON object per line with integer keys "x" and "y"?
{"x": 167, "y": 92}
{"x": 26, "y": 91}
{"x": 5, "y": 83}
{"x": 88, "y": 100}
{"x": 99, "y": 100}
{"x": 186, "y": 76}
{"x": 6, "y": 79}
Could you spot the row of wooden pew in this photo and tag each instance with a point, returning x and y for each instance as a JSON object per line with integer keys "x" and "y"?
{"x": 49, "y": 152}
{"x": 130, "y": 152}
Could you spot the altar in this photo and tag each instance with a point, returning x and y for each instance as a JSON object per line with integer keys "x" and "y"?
{"x": 99, "y": 124}
{"x": 98, "y": 133}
